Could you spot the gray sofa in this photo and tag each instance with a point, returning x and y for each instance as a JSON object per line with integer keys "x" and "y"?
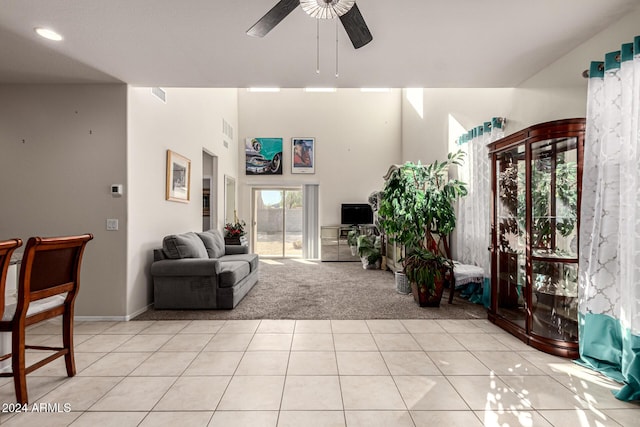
{"x": 198, "y": 271}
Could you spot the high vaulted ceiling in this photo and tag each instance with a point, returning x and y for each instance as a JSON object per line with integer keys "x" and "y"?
{"x": 202, "y": 43}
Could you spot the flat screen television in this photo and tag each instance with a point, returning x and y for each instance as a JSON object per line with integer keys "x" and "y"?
{"x": 356, "y": 213}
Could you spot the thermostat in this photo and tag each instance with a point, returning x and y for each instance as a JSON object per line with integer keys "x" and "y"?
{"x": 116, "y": 190}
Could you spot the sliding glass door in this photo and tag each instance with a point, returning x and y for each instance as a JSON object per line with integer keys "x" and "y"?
{"x": 277, "y": 222}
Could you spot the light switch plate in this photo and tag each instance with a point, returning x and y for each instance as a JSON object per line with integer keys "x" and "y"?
{"x": 112, "y": 224}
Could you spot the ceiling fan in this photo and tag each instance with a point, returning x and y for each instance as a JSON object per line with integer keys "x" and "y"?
{"x": 346, "y": 10}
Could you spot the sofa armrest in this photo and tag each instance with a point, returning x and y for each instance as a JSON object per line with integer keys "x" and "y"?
{"x": 186, "y": 267}
{"x": 158, "y": 254}
{"x": 235, "y": 249}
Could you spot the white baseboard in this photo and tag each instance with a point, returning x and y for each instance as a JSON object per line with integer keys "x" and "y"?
{"x": 139, "y": 312}
{"x": 101, "y": 318}
{"x": 126, "y": 318}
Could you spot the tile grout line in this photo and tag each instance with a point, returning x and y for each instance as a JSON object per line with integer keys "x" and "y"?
{"x": 233, "y": 375}
{"x": 286, "y": 373}
{"x": 335, "y": 357}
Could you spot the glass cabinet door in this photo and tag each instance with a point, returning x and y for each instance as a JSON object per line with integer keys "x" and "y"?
{"x": 511, "y": 235}
{"x": 536, "y": 178}
{"x": 554, "y": 238}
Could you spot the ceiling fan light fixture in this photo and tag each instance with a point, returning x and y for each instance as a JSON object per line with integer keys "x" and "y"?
{"x": 326, "y": 9}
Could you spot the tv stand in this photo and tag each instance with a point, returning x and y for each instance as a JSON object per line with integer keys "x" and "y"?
{"x": 334, "y": 245}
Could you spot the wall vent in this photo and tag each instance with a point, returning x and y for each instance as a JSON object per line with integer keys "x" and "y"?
{"x": 227, "y": 129}
{"x": 159, "y": 93}
{"x": 227, "y": 132}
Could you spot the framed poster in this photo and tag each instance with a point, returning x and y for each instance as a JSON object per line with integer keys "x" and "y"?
{"x": 263, "y": 156}
{"x": 178, "y": 177}
{"x": 303, "y": 155}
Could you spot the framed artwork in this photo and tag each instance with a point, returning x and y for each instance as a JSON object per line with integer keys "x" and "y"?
{"x": 178, "y": 177}
{"x": 263, "y": 156}
{"x": 303, "y": 155}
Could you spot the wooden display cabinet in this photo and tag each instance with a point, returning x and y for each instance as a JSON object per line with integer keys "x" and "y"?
{"x": 536, "y": 184}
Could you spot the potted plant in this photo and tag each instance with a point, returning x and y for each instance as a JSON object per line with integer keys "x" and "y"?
{"x": 352, "y": 239}
{"x": 416, "y": 209}
{"x": 369, "y": 251}
{"x": 234, "y": 233}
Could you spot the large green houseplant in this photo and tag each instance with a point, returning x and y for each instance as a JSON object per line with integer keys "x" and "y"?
{"x": 416, "y": 209}
{"x": 369, "y": 251}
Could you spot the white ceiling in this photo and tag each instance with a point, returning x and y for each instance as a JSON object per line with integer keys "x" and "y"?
{"x": 202, "y": 43}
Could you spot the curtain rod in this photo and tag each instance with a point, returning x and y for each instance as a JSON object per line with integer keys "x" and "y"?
{"x": 585, "y": 73}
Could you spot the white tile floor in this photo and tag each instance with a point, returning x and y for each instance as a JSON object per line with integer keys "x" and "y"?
{"x": 312, "y": 373}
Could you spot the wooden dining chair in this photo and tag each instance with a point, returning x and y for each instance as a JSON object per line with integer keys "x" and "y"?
{"x": 47, "y": 288}
{"x": 7, "y": 247}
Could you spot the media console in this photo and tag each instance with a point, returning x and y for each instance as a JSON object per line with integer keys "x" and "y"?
{"x": 334, "y": 245}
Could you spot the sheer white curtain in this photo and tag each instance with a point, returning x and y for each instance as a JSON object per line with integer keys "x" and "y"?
{"x": 310, "y": 222}
{"x": 609, "y": 283}
{"x": 473, "y": 229}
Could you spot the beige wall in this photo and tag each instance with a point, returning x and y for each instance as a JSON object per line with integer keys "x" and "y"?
{"x": 61, "y": 147}
{"x": 358, "y": 136}
{"x": 425, "y": 136}
{"x": 559, "y": 91}
{"x": 80, "y": 139}
{"x": 189, "y": 122}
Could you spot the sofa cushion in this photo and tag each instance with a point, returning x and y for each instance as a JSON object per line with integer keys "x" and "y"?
{"x": 232, "y": 272}
{"x": 251, "y": 259}
{"x": 214, "y": 242}
{"x": 186, "y": 245}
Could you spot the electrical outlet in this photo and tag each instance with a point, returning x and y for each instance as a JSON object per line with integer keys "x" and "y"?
{"x": 112, "y": 224}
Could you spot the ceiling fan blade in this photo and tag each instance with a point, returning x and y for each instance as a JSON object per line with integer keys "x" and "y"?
{"x": 355, "y": 27}
{"x": 273, "y": 18}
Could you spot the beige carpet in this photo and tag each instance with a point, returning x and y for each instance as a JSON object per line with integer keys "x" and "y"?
{"x": 296, "y": 289}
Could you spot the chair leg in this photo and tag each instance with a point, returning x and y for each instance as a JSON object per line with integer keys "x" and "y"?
{"x": 452, "y": 287}
{"x": 67, "y": 341}
{"x": 18, "y": 364}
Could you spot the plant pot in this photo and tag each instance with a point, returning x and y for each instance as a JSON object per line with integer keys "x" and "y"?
{"x": 427, "y": 295}
{"x": 354, "y": 250}
{"x": 370, "y": 266}
{"x": 402, "y": 283}
{"x": 242, "y": 240}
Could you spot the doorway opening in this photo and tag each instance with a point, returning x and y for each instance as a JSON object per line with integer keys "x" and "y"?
{"x": 277, "y": 222}
{"x": 209, "y": 191}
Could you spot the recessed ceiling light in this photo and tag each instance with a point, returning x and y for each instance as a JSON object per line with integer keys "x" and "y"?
{"x": 319, "y": 89}
{"x": 48, "y": 34}
{"x": 264, "y": 89}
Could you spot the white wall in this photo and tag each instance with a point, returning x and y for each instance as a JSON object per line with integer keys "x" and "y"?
{"x": 189, "y": 122}
{"x": 556, "y": 92}
{"x": 425, "y": 131}
{"x": 559, "y": 91}
{"x": 358, "y": 136}
{"x": 61, "y": 147}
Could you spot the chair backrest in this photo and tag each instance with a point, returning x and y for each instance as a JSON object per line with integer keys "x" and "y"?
{"x": 6, "y": 250}
{"x": 50, "y": 266}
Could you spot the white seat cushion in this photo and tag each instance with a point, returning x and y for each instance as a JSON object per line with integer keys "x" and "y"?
{"x": 465, "y": 273}
{"x": 35, "y": 307}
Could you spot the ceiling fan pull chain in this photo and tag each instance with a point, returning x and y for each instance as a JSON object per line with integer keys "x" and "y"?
{"x": 337, "y": 48}
{"x": 317, "y": 46}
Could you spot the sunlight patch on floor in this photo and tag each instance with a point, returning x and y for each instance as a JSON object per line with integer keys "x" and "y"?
{"x": 304, "y": 261}
{"x": 271, "y": 262}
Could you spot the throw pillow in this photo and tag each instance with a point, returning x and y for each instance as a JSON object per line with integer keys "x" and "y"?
{"x": 186, "y": 245}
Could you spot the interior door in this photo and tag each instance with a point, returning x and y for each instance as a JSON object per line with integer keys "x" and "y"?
{"x": 277, "y": 222}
